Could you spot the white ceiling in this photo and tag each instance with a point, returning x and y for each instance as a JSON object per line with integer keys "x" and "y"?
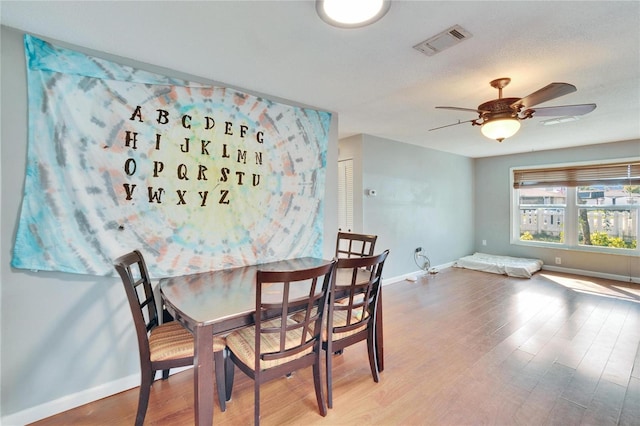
{"x": 372, "y": 77}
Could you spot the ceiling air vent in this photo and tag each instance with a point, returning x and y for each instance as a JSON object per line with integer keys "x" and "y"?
{"x": 444, "y": 40}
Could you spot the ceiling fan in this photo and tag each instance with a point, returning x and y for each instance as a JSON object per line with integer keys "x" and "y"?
{"x": 500, "y": 118}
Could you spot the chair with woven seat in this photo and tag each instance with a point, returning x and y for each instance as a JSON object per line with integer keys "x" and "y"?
{"x": 277, "y": 345}
{"x": 350, "y": 245}
{"x": 162, "y": 346}
{"x": 352, "y": 310}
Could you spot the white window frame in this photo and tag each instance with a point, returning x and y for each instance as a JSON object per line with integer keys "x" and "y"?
{"x": 571, "y": 217}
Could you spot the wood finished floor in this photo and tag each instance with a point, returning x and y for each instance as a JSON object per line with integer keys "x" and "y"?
{"x": 461, "y": 347}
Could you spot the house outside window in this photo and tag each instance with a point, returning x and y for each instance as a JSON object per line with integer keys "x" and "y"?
{"x": 541, "y": 214}
{"x": 590, "y": 207}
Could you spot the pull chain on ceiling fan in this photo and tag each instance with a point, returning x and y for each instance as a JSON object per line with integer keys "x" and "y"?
{"x": 500, "y": 118}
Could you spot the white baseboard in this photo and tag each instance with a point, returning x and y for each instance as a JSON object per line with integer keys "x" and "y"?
{"x": 387, "y": 281}
{"x": 615, "y": 277}
{"x": 68, "y": 402}
{"x": 72, "y": 401}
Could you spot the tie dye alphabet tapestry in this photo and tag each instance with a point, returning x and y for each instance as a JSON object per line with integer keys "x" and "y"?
{"x": 197, "y": 177}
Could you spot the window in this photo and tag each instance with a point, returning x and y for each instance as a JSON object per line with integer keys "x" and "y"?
{"x": 592, "y": 207}
{"x": 608, "y": 216}
{"x": 542, "y": 212}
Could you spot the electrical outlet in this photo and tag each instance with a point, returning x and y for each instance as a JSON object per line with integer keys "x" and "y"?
{"x": 558, "y": 261}
{"x": 418, "y": 250}
{"x": 484, "y": 242}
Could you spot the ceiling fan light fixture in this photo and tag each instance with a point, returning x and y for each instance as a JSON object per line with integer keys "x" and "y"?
{"x": 351, "y": 13}
{"x": 500, "y": 128}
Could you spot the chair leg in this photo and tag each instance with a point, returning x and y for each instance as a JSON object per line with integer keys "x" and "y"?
{"x": 256, "y": 412}
{"x": 145, "y": 391}
{"x": 229, "y": 371}
{"x": 373, "y": 360}
{"x": 219, "y": 367}
{"x": 317, "y": 382}
{"x": 329, "y": 355}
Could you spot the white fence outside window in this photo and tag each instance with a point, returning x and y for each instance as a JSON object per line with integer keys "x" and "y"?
{"x": 615, "y": 223}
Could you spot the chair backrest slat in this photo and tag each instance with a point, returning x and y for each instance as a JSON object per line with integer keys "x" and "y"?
{"x": 350, "y": 245}
{"x": 304, "y": 290}
{"x": 134, "y": 274}
{"x": 355, "y": 299}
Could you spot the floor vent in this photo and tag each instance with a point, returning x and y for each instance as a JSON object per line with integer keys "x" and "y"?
{"x": 444, "y": 40}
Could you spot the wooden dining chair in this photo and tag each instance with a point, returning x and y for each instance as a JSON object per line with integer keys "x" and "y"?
{"x": 352, "y": 310}
{"x": 277, "y": 345}
{"x": 350, "y": 245}
{"x": 162, "y": 346}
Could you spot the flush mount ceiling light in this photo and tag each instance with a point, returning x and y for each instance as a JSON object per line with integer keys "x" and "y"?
{"x": 351, "y": 13}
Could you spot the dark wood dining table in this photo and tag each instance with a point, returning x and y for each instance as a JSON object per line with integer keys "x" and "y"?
{"x": 217, "y": 302}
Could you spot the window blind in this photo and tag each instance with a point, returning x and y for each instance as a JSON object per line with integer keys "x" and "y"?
{"x": 622, "y": 173}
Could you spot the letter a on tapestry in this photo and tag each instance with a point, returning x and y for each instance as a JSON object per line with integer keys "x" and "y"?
{"x": 197, "y": 177}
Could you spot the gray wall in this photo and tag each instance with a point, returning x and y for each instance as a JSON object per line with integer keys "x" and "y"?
{"x": 424, "y": 199}
{"x": 492, "y": 207}
{"x": 63, "y": 334}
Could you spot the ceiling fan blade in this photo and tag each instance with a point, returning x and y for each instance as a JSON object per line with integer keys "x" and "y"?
{"x": 459, "y": 109}
{"x": 563, "y": 110}
{"x": 454, "y": 124}
{"x": 552, "y": 91}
